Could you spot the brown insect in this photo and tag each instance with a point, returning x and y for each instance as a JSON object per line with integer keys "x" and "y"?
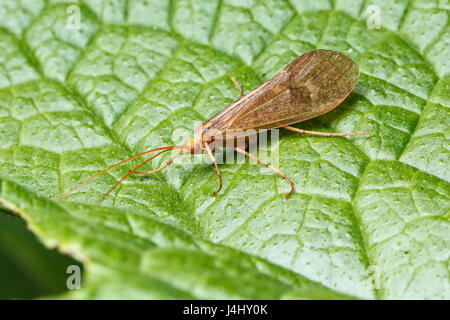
{"x": 311, "y": 85}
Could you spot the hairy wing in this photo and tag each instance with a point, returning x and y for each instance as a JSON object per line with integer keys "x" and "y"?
{"x": 311, "y": 85}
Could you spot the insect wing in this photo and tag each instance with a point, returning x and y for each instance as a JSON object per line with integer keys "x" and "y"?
{"x": 311, "y": 85}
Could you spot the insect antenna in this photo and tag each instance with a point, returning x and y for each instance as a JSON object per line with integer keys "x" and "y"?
{"x": 160, "y": 168}
{"x": 115, "y": 165}
{"x": 140, "y": 166}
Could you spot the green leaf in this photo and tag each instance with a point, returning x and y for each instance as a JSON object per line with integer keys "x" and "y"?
{"x": 370, "y": 216}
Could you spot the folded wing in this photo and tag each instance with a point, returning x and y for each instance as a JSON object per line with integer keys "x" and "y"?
{"x": 311, "y": 85}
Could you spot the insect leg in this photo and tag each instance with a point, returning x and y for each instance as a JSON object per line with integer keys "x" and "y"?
{"x": 237, "y": 85}
{"x": 327, "y": 134}
{"x": 208, "y": 149}
{"x": 277, "y": 171}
